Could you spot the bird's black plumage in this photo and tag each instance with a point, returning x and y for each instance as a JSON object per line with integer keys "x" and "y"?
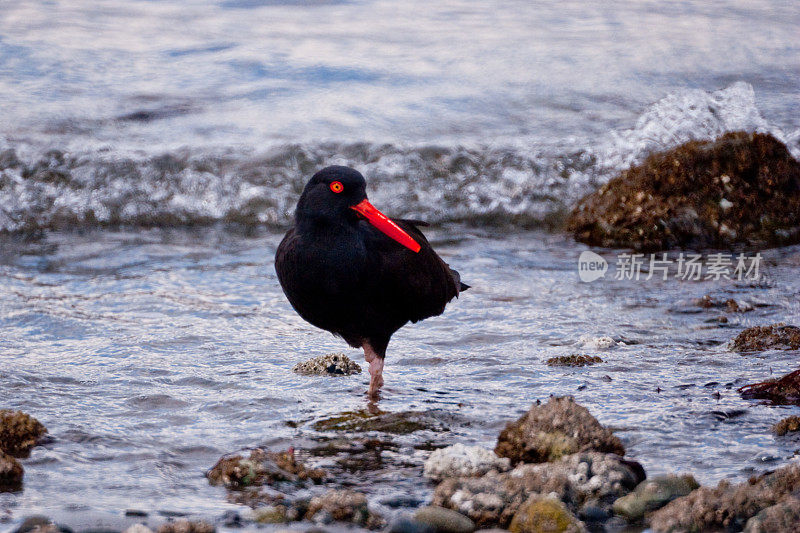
{"x": 342, "y": 274}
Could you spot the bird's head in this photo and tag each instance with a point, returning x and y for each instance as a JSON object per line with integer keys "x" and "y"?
{"x": 338, "y": 195}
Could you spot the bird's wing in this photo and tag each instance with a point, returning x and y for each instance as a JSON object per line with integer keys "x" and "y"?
{"x": 414, "y": 285}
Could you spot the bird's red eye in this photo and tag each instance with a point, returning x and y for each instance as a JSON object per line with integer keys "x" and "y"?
{"x": 337, "y": 187}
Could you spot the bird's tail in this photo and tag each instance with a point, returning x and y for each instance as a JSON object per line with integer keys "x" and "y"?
{"x": 461, "y": 287}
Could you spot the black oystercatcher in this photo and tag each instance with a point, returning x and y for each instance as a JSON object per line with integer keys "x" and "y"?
{"x": 349, "y": 269}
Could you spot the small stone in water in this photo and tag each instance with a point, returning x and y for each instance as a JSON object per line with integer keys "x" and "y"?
{"x": 407, "y": 525}
{"x": 332, "y": 364}
{"x": 11, "y": 473}
{"x": 186, "y": 526}
{"x": 19, "y": 432}
{"x": 574, "y": 360}
{"x": 444, "y": 520}
{"x": 653, "y": 494}
{"x": 789, "y": 424}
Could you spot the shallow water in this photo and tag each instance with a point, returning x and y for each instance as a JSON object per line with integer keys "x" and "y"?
{"x": 150, "y": 353}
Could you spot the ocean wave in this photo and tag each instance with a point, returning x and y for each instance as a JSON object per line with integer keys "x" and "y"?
{"x": 515, "y": 184}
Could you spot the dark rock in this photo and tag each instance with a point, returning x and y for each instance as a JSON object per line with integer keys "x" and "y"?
{"x": 782, "y": 391}
{"x": 19, "y": 432}
{"x": 558, "y": 428}
{"x": 727, "y": 507}
{"x": 407, "y": 525}
{"x": 11, "y": 473}
{"x": 653, "y": 494}
{"x": 444, "y": 520}
{"x": 740, "y": 188}
{"x": 343, "y": 506}
{"x": 9, "y": 159}
{"x": 774, "y": 337}
{"x": 231, "y": 519}
{"x": 790, "y": 424}
{"x": 362, "y": 421}
{"x": 186, "y": 526}
{"x": 402, "y": 501}
{"x": 574, "y": 360}
{"x": 544, "y": 514}
{"x": 730, "y": 305}
{"x": 262, "y": 468}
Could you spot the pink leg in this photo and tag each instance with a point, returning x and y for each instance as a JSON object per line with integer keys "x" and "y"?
{"x": 375, "y": 369}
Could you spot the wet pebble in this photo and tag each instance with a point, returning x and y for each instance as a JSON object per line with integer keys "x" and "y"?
{"x": 444, "y": 520}
{"x": 408, "y": 525}
{"x": 332, "y": 364}
{"x": 653, "y": 494}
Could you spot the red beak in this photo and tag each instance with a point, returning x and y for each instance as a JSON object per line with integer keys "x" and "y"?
{"x": 385, "y": 225}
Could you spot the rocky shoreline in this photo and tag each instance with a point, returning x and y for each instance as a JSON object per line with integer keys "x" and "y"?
{"x": 555, "y": 469}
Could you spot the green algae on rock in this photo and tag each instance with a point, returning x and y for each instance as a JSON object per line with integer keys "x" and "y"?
{"x": 545, "y": 514}
{"x": 773, "y": 337}
{"x": 790, "y": 424}
{"x": 401, "y": 423}
{"x": 332, "y": 364}
{"x": 573, "y": 360}
{"x": 742, "y": 188}
{"x": 19, "y": 432}
{"x": 11, "y": 473}
{"x": 728, "y": 507}
{"x": 262, "y": 468}
{"x": 550, "y": 431}
{"x": 653, "y": 494}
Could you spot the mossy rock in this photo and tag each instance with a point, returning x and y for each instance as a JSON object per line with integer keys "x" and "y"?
{"x": 19, "y": 432}
{"x": 332, "y": 364}
{"x": 790, "y": 424}
{"x": 543, "y": 514}
{"x": 742, "y": 188}
{"x": 574, "y": 360}
{"x": 363, "y": 421}
{"x": 262, "y": 467}
{"x": 550, "y": 431}
{"x": 773, "y": 337}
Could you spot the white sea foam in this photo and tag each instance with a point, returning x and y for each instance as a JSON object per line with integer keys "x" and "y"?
{"x": 513, "y": 183}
